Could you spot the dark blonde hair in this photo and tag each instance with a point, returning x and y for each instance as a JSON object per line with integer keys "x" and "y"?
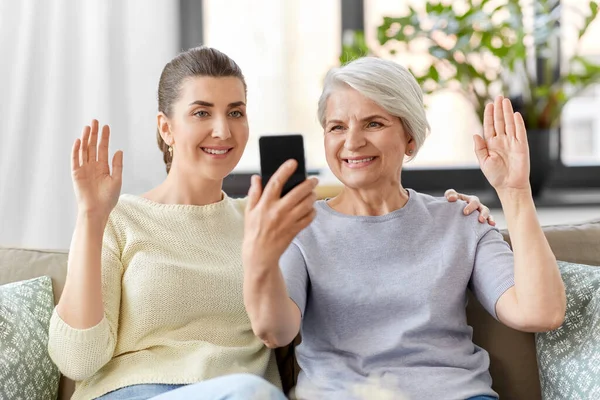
{"x": 195, "y": 62}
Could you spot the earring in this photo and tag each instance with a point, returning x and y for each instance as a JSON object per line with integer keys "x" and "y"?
{"x": 411, "y": 151}
{"x": 171, "y": 151}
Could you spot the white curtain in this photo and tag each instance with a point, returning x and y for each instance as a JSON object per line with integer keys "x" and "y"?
{"x": 62, "y": 63}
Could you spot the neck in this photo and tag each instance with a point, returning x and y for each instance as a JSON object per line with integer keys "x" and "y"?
{"x": 185, "y": 188}
{"x": 370, "y": 202}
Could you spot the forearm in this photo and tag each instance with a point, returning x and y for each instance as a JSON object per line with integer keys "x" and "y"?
{"x": 80, "y": 305}
{"x": 274, "y": 316}
{"x": 539, "y": 289}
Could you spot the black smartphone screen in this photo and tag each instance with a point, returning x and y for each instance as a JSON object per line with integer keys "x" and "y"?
{"x": 274, "y": 151}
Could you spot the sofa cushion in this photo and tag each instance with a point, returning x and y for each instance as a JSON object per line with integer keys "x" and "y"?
{"x": 513, "y": 363}
{"x": 569, "y": 357}
{"x": 26, "y": 370}
{"x": 577, "y": 243}
{"x": 21, "y": 264}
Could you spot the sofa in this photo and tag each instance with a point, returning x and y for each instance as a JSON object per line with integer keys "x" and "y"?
{"x": 513, "y": 359}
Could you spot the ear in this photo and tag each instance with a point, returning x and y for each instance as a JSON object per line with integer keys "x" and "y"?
{"x": 410, "y": 147}
{"x": 164, "y": 128}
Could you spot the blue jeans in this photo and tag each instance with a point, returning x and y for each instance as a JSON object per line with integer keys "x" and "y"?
{"x": 228, "y": 387}
{"x": 482, "y": 398}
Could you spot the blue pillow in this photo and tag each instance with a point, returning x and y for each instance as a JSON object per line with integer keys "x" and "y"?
{"x": 26, "y": 370}
{"x": 569, "y": 357}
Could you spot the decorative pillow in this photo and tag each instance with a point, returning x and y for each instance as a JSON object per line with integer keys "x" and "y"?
{"x": 26, "y": 370}
{"x": 569, "y": 357}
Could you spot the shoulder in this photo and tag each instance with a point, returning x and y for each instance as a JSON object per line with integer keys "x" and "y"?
{"x": 450, "y": 215}
{"x": 127, "y": 208}
{"x": 240, "y": 204}
{"x": 440, "y": 207}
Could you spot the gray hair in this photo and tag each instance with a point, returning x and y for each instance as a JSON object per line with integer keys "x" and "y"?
{"x": 389, "y": 85}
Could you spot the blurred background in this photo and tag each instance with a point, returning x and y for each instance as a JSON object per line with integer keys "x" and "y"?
{"x": 64, "y": 62}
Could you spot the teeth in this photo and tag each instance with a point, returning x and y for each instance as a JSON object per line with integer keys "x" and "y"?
{"x": 360, "y": 161}
{"x": 211, "y": 151}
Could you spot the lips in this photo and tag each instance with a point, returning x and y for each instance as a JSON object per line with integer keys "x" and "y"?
{"x": 359, "y": 160}
{"x": 217, "y": 150}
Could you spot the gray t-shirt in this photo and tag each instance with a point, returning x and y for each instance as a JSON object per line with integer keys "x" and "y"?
{"x": 383, "y": 301}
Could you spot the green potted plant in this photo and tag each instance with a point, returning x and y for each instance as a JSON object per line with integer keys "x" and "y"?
{"x": 483, "y": 48}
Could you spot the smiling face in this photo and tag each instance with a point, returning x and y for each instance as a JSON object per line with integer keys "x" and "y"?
{"x": 364, "y": 144}
{"x": 208, "y": 127}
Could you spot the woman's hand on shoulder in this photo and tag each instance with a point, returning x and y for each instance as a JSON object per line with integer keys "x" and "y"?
{"x": 96, "y": 189}
{"x": 473, "y": 204}
{"x": 272, "y": 221}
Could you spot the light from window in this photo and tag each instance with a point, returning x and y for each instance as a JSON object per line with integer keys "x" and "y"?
{"x": 284, "y": 48}
{"x": 581, "y": 117}
{"x": 452, "y": 118}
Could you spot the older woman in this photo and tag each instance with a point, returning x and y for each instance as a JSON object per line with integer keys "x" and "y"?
{"x": 378, "y": 281}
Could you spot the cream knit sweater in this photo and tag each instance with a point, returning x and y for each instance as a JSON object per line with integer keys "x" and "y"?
{"x": 174, "y": 312}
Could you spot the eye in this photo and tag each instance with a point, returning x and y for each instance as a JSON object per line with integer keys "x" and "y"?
{"x": 201, "y": 113}
{"x": 336, "y": 128}
{"x": 374, "y": 124}
{"x": 236, "y": 114}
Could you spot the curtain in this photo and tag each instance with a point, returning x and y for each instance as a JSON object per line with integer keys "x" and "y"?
{"x": 62, "y": 63}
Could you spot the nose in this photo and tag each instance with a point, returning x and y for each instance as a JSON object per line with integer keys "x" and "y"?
{"x": 355, "y": 139}
{"x": 221, "y": 129}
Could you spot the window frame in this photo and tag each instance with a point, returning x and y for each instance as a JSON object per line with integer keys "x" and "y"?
{"x": 430, "y": 180}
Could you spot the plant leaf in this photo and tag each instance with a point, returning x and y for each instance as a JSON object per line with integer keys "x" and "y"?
{"x": 593, "y": 14}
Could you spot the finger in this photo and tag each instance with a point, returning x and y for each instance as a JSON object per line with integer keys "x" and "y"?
{"x": 488, "y": 122}
{"x": 499, "y": 116}
{"x": 484, "y": 214}
{"x": 521, "y": 132}
{"x": 93, "y": 141}
{"x": 299, "y": 193}
{"x": 451, "y": 195}
{"x": 473, "y": 205}
{"x": 85, "y": 141}
{"x": 75, "y": 155}
{"x": 254, "y": 192}
{"x": 491, "y": 220}
{"x": 509, "y": 119}
{"x": 481, "y": 150}
{"x": 305, "y": 221}
{"x": 280, "y": 177}
{"x": 117, "y": 165}
{"x": 103, "y": 146}
{"x": 302, "y": 208}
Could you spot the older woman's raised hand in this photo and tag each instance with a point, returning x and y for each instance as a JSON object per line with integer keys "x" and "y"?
{"x": 503, "y": 152}
{"x": 272, "y": 221}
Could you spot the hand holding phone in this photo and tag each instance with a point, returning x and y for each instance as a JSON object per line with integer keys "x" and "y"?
{"x": 274, "y": 151}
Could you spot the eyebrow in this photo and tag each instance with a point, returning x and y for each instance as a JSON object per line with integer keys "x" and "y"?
{"x": 207, "y": 104}
{"x": 367, "y": 118}
{"x": 373, "y": 116}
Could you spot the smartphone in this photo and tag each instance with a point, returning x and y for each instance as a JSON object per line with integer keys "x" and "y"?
{"x": 274, "y": 151}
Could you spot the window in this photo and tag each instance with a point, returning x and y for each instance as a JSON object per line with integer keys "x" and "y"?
{"x": 581, "y": 119}
{"x": 285, "y": 48}
{"x": 447, "y": 157}
{"x": 452, "y": 118}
